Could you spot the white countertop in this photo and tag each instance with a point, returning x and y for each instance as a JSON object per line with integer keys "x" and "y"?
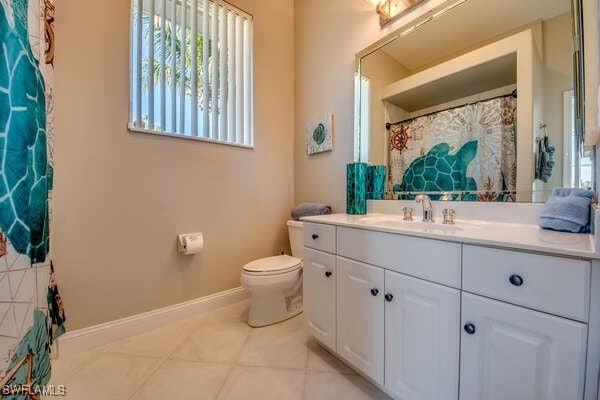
{"x": 507, "y": 235}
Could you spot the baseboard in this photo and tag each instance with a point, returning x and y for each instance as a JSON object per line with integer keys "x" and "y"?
{"x": 98, "y": 335}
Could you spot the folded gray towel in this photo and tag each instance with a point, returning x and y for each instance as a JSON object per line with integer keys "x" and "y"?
{"x": 567, "y": 210}
{"x": 308, "y": 209}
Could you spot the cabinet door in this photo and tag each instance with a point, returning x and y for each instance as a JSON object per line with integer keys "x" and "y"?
{"x": 510, "y": 352}
{"x": 422, "y": 334}
{"x": 360, "y": 325}
{"x": 319, "y": 296}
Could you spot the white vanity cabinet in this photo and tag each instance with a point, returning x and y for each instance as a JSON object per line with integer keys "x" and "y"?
{"x": 510, "y": 352}
{"x": 400, "y": 331}
{"x": 535, "y": 347}
{"x": 432, "y": 319}
{"x": 360, "y": 311}
{"x": 319, "y": 298}
{"x": 422, "y": 336}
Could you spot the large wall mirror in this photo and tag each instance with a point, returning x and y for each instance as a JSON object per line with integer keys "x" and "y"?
{"x": 481, "y": 103}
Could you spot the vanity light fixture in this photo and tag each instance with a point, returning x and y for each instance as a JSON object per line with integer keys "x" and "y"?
{"x": 389, "y": 10}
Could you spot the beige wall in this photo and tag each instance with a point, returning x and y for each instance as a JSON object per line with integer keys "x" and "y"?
{"x": 328, "y": 36}
{"x": 558, "y": 77}
{"x": 381, "y": 69}
{"x": 121, "y": 198}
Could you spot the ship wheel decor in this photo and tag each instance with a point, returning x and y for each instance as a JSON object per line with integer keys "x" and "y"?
{"x": 399, "y": 137}
{"x": 28, "y": 389}
{"x": 3, "y": 241}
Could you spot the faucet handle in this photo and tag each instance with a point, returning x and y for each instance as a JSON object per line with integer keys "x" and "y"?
{"x": 419, "y": 198}
{"x": 449, "y": 215}
{"x": 407, "y": 214}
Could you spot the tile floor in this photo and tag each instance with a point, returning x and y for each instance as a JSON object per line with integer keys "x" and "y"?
{"x": 213, "y": 356}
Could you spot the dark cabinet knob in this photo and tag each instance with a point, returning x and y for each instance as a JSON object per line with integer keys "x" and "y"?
{"x": 470, "y": 328}
{"x": 388, "y": 297}
{"x": 374, "y": 291}
{"x": 315, "y": 236}
{"x": 516, "y": 280}
{"x": 328, "y": 274}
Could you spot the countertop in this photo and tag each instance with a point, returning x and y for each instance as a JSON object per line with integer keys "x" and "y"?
{"x": 497, "y": 234}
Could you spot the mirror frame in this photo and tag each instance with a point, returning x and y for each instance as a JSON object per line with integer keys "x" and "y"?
{"x": 579, "y": 68}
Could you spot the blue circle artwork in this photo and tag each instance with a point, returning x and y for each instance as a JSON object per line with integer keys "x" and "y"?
{"x": 320, "y": 134}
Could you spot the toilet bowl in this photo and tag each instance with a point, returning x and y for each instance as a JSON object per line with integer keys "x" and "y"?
{"x": 275, "y": 283}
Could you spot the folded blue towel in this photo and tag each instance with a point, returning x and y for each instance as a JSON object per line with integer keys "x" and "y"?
{"x": 567, "y": 210}
{"x": 563, "y": 192}
{"x": 308, "y": 209}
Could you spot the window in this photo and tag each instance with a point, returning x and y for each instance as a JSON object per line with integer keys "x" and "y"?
{"x": 578, "y": 169}
{"x": 192, "y": 70}
{"x": 362, "y": 117}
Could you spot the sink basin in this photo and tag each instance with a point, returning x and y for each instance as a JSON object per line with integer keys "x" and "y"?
{"x": 433, "y": 226}
{"x": 397, "y": 222}
{"x": 375, "y": 219}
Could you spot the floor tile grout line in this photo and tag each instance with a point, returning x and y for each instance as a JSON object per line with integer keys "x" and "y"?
{"x": 242, "y": 365}
{"x": 124, "y": 353}
{"x": 306, "y": 344}
{"x": 143, "y": 382}
{"x": 235, "y": 363}
{"x": 82, "y": 367}
{"x": 167, "y": 358}
{"x": 188, "y": 335}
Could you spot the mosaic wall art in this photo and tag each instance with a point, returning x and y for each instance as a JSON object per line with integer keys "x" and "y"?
{"x": 26, "y": 132}
{"x": 470, "y": 150}
{"x": 319, "y": 135}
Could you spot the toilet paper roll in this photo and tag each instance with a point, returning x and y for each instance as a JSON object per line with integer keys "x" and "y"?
{"x": 190, "y": 243}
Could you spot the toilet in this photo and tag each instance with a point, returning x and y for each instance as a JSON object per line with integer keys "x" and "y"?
{"x": 275, "y": 283}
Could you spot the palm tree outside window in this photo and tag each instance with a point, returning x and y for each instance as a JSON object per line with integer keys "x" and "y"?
{"x": 192, "y": 70}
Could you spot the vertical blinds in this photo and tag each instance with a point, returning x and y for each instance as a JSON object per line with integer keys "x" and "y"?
{"x": 192, "y": 70}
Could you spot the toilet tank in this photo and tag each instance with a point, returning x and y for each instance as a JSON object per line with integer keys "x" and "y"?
{"x": 295, "y": 232}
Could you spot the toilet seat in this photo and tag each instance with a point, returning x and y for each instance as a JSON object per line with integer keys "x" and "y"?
{"x": 272, "y": 265}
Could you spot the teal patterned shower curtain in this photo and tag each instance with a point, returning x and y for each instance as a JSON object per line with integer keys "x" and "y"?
{"x": 31, "y": 314}
{"x": 466, "y": 152}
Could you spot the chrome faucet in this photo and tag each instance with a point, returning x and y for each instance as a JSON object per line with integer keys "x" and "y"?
{"x": 427, "y": 209}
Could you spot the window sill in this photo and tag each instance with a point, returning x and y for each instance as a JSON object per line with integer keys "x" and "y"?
{"x": 133, "y": 129}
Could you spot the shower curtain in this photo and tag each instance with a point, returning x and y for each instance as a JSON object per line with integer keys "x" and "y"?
{"x": 469, "y": 150}
{"x": 31, "y": 313}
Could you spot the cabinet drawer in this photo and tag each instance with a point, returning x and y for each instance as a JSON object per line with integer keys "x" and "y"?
{"x": 319, "y": 236}
{"x": 552, "y": 284}
{"x": 429, "y": 259}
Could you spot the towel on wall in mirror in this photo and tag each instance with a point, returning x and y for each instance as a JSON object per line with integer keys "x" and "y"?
{"x": 544, "y": 159}
{"x": 567, "y": 210}
{"x": 308, "y": 209}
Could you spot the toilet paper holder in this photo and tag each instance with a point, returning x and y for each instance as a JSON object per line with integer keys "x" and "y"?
{"x": 190, "y": 243}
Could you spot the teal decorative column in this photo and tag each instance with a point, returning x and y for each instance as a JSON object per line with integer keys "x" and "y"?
{"x": 356, "y": 188}
{"x": 376, "y": 175}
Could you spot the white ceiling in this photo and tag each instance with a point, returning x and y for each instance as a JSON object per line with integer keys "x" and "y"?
{"x": 468, "y": 25}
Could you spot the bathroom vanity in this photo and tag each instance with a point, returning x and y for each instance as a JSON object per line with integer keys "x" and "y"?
{"x": 476, "y": 310}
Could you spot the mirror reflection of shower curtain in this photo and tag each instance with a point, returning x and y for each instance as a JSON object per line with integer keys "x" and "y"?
{"x": 488, "y": 176}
